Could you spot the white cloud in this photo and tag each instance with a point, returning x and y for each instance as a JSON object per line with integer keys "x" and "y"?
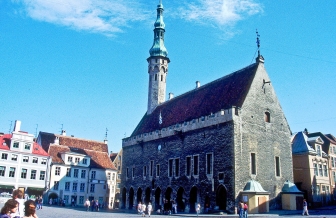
{"x": 102, "y": 16}
{"x": 219, "y": 12}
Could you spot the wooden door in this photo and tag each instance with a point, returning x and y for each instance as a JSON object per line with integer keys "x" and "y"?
{"x": 262, "y": 205}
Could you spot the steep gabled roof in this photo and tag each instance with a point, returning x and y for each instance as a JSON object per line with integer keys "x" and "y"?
{"x": 98, "y": 159}
{"x": 38, "y": 150}
{"x": 223, "y": 93}
{"x": 49, "y": 138}
{"x": 300, "y": 144}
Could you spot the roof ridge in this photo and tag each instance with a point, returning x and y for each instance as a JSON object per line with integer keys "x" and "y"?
{"x": 208, "y": 84}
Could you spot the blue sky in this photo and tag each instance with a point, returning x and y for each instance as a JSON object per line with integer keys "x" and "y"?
{"x": 82, "y": 64}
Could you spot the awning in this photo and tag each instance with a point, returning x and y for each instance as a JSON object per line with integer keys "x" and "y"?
{"x": 7, "y": 186}
{"x": 35, "y": 189}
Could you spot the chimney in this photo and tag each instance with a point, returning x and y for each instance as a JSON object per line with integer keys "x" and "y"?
{"x": 171, "y": 95}
{"x": 56, "y": 142}
{"x": 17, "y": 126}
{"x": 198, "y": 84}
{"x": 63, "y": 133}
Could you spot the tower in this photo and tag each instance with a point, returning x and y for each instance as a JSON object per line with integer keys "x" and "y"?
{"x": 157, "y": 64}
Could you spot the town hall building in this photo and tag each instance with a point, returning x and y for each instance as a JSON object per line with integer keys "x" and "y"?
{"x": 214, "y": 145}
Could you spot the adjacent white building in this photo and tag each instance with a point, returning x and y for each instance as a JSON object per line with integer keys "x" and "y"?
{"x": 81, "y": 169}
{"x": 23, "y": 163}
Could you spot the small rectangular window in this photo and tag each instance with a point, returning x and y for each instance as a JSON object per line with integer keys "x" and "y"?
{"x": 23, "y": 173}
{"x": 35, "y": 160}
{"x": 42, "y": 175}
{"x": 67, "y": 186}
{"x": 2, "y": 170}
{"x": 44, "y": 162}
{"x": 93, "y": 174}
{"x": 253, "y": 164}
{"x": 209, "y": 163}
{"x": 74, "y": 186}
{"x": 33, "y": 174}
{"x": 320, "y": 170}
{"x": 144, "y": 170}
{"x": 25, "y": 159}
{"x": 27, "y": 146}
{"x": 56, "y": 183}
{"x": 84, "y": 161}
{"x": 318, "y": 150}
{"x": 4, "y": 156}
{"x": 76, "y": 173}
{"x": 14, "y": 157}
{"x": 68, "y": 172}
{"x": 69, "y": 159}
{"x": 92, "y": 188}
{"x": 170, "y": 168}
{"x": 157, "y": 170}
{"x": 221, "y": 176}
{"x": 77, "y": 160}
{"x": 177, "y": 167}
{"x": 315, "y": 169}
{"x": 195, "y": 165}
{"x": 277, "y": 166}
{"x": 325, "y": 170}
{"x": 151, "y": 168}
{"x": 15, "y": 145}
{"x": 11, "y": 172}
{"x": 188, "y": 166}
{"x": 82, "y": 187}
{"x": 133, "y": 172}
{"x": 127, "y": 172}
{"x": 83, "y": 174}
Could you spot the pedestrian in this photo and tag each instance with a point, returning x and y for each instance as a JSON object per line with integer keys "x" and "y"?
{"x": 72, "y": 202}
{"x": 241, "y": 209}
{"x": 92, "y": 204}
{"x": 198, "y": 208}
{"x": 50, "y": 201}
{"x": 87, "y": 204}
{"x": 143, "y": 210}
{"x": 18, "y": 196}
{"x": 30, "y": 211}
{"x": 97, "y": 205}
{"x": 305, "y": 208}
{"x": 174, "y": 207}
{"x": 139, "y": 207}
{"x": 245, "y": 210}
{"x": 149, "y": 209}
{"x": 10, "y": 207}
{"x": 40, "y": 202}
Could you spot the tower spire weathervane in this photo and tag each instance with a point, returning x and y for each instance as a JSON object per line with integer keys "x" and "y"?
{"x": 258, "y": 42}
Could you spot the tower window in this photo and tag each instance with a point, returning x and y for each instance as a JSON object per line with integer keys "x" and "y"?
{"x": 156, "y": 60}
{"x": 267, "y": 117}
{"x": 155, "y": 77}
{"x": 277, "y": 166}
{"x": 161, "y": 78}
{"x": 253, "y": 164}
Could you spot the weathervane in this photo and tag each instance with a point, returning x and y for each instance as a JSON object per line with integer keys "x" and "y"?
{"x": 258, "y": 42}
{"x": 106, "y": 134}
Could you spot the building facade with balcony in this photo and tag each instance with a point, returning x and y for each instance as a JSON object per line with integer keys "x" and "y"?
{"x": 23, "y": 163}
{"x": 80, "y": 170}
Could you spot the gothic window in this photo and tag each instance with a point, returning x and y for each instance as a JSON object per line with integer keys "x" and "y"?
{"x": 161, "y": 78}
{"x": 177, "y": 167}
{"x": 209, "y": 163}
{"x": 151, "y": 168}
{"x": 170, "y": 168}
{"x": 127, "y": 172}
{"x": 267, "y": 117}
{"x": 277, "y": 166}
{"x": 253, "y": 164}
{"x": 155, "y": 77}
{"x": 144, "y": 170}
{"x": 133, "y": 172}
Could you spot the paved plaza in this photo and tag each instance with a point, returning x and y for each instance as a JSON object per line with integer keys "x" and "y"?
{"x": 79, "y": 212}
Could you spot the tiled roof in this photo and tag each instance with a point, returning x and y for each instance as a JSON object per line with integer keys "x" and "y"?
{"x": 5, "y": 141}
{"x": 49, "y": 138}
{"x": 223, "y": 93}
{"x": 37, "y": 149}
{"x": 98, "y": 159}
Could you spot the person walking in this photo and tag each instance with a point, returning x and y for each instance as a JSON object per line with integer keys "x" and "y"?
{"x": 198, "y": 208}
{"x": 87, "y": 204}
{"x": 241, "y": 209}
{"x": 92, "y": 204}
{"x": 305, "y": 208}
{"x": 143, "y": 210}
{"x": 245, "y": 210}
{"x": 149, "y": 208}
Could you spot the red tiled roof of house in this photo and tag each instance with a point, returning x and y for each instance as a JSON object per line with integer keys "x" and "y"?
{"x": 223, "y": 93}
{"x": 38, "y": 150}
{"x": 5, "y": 141}
{"x": 98, "y": 159}
{"x": 49, "y": 138}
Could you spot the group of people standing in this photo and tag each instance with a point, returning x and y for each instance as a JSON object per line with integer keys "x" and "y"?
{"x": 142, "y": 209}
{"x": 94, "y": 204}
{"x": 243, "y": 210}
{"x": 18, "y": 208}
{"x": 39, "y": 202}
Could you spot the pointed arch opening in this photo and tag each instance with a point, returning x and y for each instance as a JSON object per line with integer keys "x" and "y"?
{"x": 193, "y": 199}
{"x": 221, "y": 197}
{"x": 180, "y": 200}
{"x": 139, "y": 195}
{"x": 147, "y": 195}
{"x": 131, "y": 198}
{"x": 123, "y": 198}
{"x": 157, "y": 198}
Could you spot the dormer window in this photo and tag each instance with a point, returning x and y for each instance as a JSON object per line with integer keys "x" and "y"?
{"x": 318, "y": 150}
{"x": 267, "y": 117}
{"x": 84, "y": 161}
{"x": 15, "y": 145}
{"x": 27, "y": 146}
{"x": 69, "y": 159}
{"x": 77, "y": 160}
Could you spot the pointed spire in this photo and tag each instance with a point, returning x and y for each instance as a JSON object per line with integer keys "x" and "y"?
{"x": 158, "y": 48}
